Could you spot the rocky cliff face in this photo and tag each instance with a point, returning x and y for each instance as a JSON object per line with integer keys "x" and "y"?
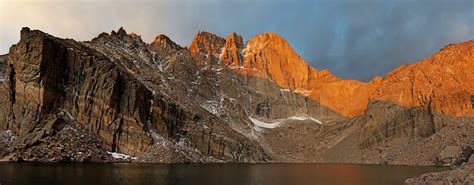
{"x": 48, "y": 74}
{"x": 417, "y": 100}
{"x": 442, "y": 82}
{"x": 222, "y": 100}
{"x": 96, "y": 89}
{"x": 3, "y": 67}
{"x": 232, "y": 50}
{"x": 270, "y": 57}
{"x": 163, "y": 45}
{"x": 206, "y": 43}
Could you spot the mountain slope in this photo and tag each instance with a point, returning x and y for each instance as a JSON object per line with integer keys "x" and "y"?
{"x": 417, "y": 100}
{"x": 56, "y": 82}
{"x": 270, "y": 57}
{"x": 221, "y": 100}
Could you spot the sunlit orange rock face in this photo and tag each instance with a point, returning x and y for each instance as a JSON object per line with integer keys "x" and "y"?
{"x": 270, "y": 57}
{"x": 443, "y": 82}
{"x": 348, "y": 97}
{"x": 206, "y": 43}
{"x": 420, "y": 99}
{"x": 231, "y": 53}
{"x": 162, "y": 43}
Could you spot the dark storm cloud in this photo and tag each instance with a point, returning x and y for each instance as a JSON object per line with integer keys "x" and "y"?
{"x": 355, "y": 39}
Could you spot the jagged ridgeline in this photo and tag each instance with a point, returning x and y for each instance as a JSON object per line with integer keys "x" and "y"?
{"x": 118, "y": 98}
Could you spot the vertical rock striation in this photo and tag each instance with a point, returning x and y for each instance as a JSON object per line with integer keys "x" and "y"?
{"x": 95, "y": 87}
{"x": 47, "y": 75}
{"x": 270, "y": 57}
{"x": 166, "y": 103}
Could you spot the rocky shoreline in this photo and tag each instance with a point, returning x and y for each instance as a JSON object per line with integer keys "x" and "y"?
{"x": 460, "y": 175}
{"x": 118, "y": 99}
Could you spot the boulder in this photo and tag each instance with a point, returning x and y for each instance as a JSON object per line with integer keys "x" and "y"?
{"x": 451, "y": 155}
{"x": 459, "y": 176}
{"x": 471, "y": 159}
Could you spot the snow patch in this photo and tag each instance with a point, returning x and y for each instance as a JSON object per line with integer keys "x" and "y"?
{"x": 117, "y": 155}
{"x": 216, "y": 69}
{"x": 303, "y": 92}
{"x": 8, "y": 136}
{"x": 302, "y": 118}
{"x": 211, "y": 106}
{"x": 299, "y": 118}
{"x": 262, "y": 124}
{"x": 277, "y": 123}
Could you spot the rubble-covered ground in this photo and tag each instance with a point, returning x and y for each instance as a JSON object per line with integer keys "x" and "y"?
{"x": 463, "y": 175}
{"x": 69, "y": 144}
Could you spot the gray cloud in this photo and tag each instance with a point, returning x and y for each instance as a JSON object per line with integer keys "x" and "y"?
{"x": 355, "y": 39}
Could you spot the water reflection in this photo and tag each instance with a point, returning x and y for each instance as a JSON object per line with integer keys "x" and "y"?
{"x": 209, "y": 174}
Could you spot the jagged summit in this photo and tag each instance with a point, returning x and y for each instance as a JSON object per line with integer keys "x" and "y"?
{"x": 254, "y": 102}
{"x": 206, "y": 43}
{"x": 231, "y": 53}
{"x": 121, "y": 31}
{"x": 234, "y": 39}
{"x": 163, "y": 39}
{"x": 25, "y": 32}
{"x": 111, "y": 94}
{"x": 271, "y": 57}
{"x": 163, "y": 43}
{"x": 120, "y": 34}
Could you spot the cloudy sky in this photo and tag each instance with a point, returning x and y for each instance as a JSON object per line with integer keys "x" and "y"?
{"x": 355, "y": 39}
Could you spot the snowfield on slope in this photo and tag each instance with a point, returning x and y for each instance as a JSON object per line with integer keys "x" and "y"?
{"x": 277, "y": 123}
{"x": 117, "y": 155}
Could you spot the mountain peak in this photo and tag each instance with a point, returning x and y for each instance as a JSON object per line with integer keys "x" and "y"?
{"x": 134, "y": 35}
{"x": 234, "y": 36}
{"x": 162, "y": 43}
{"x": 262, "y": 40}
{"x": 270, "y": 36}
{"x": 120, "y": 32}
{"x": 206, "y": 43}
{"x": 234, "y": 39}
{"x": 231, "y": 54}
{"x": 270, "y": 56}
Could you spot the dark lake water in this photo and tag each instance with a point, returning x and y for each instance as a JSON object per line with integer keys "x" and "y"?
{"x": 207, "y": 174}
